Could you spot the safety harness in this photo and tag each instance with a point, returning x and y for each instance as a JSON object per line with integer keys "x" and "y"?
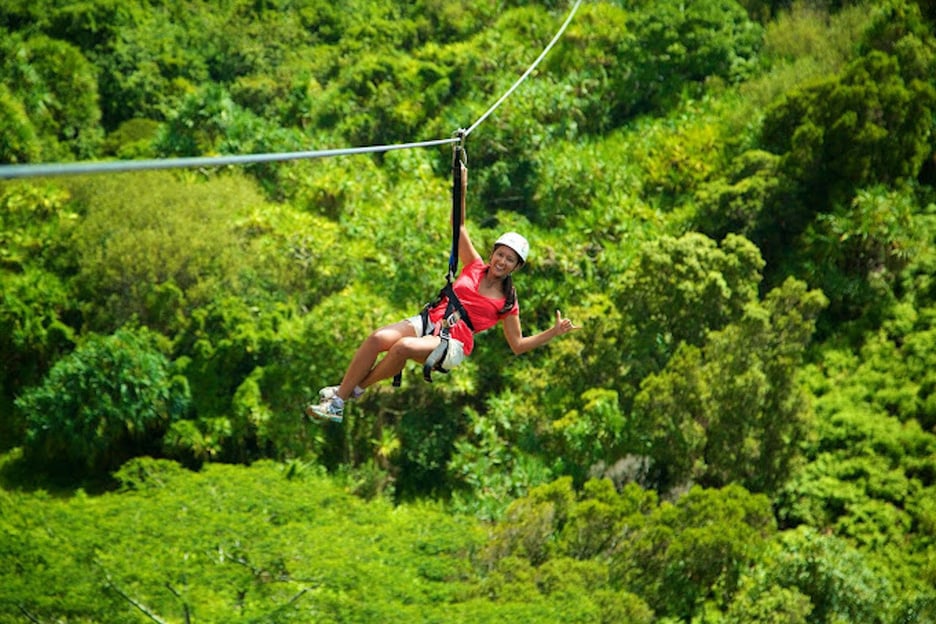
{"x": 454, "y": 310}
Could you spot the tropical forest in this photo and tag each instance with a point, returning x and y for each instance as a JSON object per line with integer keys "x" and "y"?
{"x": 207, "y": 206}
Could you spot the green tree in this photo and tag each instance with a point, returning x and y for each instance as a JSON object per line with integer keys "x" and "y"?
{"x": 590, "y": 435}
{"x": 769, "y": 605}
{"x": 132, "y": 139}
{"x": 589, "y": 55}
{"x": 678, "y": 289}
{"x": 157, "y": 256}
{"x": 223, "y": 351}
{"x": 694, "y": 550}
{"x": 370, "y": 102}
{"x": 669, "y": 419}
{"x": 856, "y": 252}
{"x": 37, "y": 312}
{"x": 601, "y": 515}
{"x": 111, "y": 399}
{"x": 862, "y": 127}
{"x": 731, "y": 410}
{"x": 58, "y": 88}
{"x": 565, "y": 403}
{"x": 488, "y": 470}
{"x": 19, "y": 142}
{"x": 738, "y": 202}
{"x": 838, "y": 579}
{"x": 148, "y": 56}
{"x": 34, "y": 307}
{"x": 684, "y": 43}
{"x": 209, "y": 122}
{"x": 865, "y": 127}
{"x": 34, "y": 222}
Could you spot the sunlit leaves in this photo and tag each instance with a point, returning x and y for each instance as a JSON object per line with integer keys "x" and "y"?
{"x": 679, "y": 288}
{"x": 740, "y": 201}
{"x": 591, "y": 433}
{"x": 57, "y": 87}
{"x": 731, "y": 410}
{"x": 19, "y": 142}
{"x": 867, "y": 126}
{"x": 855, "y": 252}
{"x": 107, "y": 401}
{"x": 304, "y": 549}
{"x": 198, "y": 237}
{"x": 837, "y": 578}
{"x": 371, "y": 103}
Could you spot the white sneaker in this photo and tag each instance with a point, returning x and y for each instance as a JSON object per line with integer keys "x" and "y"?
{"x": 331, "y": 409}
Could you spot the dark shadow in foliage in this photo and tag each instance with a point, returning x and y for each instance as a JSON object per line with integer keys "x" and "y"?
{"x": 869, "y": 126}
{"x": 409, "y": 434}
{"x": 20, "y": 473}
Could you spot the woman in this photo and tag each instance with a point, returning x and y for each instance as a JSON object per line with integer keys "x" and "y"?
{"x": 487, "y": 296}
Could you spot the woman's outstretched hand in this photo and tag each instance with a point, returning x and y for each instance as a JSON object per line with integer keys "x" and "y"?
{"x": 563, "y": 325}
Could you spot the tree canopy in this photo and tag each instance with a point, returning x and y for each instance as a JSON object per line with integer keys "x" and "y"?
{"x": 734, "y": 199}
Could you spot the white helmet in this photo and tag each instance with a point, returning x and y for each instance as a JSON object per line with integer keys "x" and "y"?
{"x": 515, "y": 242}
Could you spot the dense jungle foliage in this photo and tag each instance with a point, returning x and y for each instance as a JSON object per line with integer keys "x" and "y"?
{"x": 733, "y": 198}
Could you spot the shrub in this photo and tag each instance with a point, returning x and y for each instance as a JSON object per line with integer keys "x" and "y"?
{"x": 109, "y": 400}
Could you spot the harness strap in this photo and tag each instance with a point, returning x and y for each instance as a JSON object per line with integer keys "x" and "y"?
{"x": 454, "y": 311}
{"x": 435, "y": 359}
{"x": 453, "y": 308}
{"x": 459, "y": 156}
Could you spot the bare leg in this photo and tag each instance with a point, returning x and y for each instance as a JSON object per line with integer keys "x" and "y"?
{"x": 361, "y": 369}
{"x": 417, "y": 349}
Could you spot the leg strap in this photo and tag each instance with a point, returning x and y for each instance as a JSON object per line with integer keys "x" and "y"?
{"x": 426, "y": 330}
{"x": 435, "y": 358}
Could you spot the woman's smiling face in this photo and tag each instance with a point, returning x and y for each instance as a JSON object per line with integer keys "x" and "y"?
{"x": 504, "y": 260}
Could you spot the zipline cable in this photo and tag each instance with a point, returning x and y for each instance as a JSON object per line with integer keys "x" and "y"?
{"x": 112, "y": 166}
{"x": 528, "y": 71}
{"x": 116, "y": 166}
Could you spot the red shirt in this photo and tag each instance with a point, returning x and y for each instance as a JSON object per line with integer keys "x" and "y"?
{"x": 483, "y": 311}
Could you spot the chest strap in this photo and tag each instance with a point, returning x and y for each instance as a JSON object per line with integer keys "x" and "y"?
{"x": 454, "y": 313}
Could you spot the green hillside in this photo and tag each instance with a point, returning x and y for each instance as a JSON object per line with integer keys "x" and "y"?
{"x": 734, "y": 199}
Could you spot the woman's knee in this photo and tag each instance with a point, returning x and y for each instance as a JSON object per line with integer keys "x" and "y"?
{"x": 381, "y": 339}
{"x": 387, "y": 337}
{"x": 377, "y": 342}
{"x": 410, "y": 348}
{"x": 399, "y": 349}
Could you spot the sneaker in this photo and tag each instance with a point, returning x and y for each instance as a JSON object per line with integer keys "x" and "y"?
{"x": 330, "y": 409}
{"x": 330, "y": 391}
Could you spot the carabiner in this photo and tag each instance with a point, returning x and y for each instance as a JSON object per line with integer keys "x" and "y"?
{"x": 459, "y": 147}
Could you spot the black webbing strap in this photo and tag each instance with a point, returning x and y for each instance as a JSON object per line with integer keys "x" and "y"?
{"x": 459, "y": 158}
{"x": 453, "y": 305}
{"x": 435, "y": 359}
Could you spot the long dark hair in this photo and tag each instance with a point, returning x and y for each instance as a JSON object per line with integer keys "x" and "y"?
{"x": 510, "y": 293}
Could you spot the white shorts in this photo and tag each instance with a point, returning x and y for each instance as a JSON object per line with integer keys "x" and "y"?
{"x": 417, "y": 323}
{"x": 456, "y": 350}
